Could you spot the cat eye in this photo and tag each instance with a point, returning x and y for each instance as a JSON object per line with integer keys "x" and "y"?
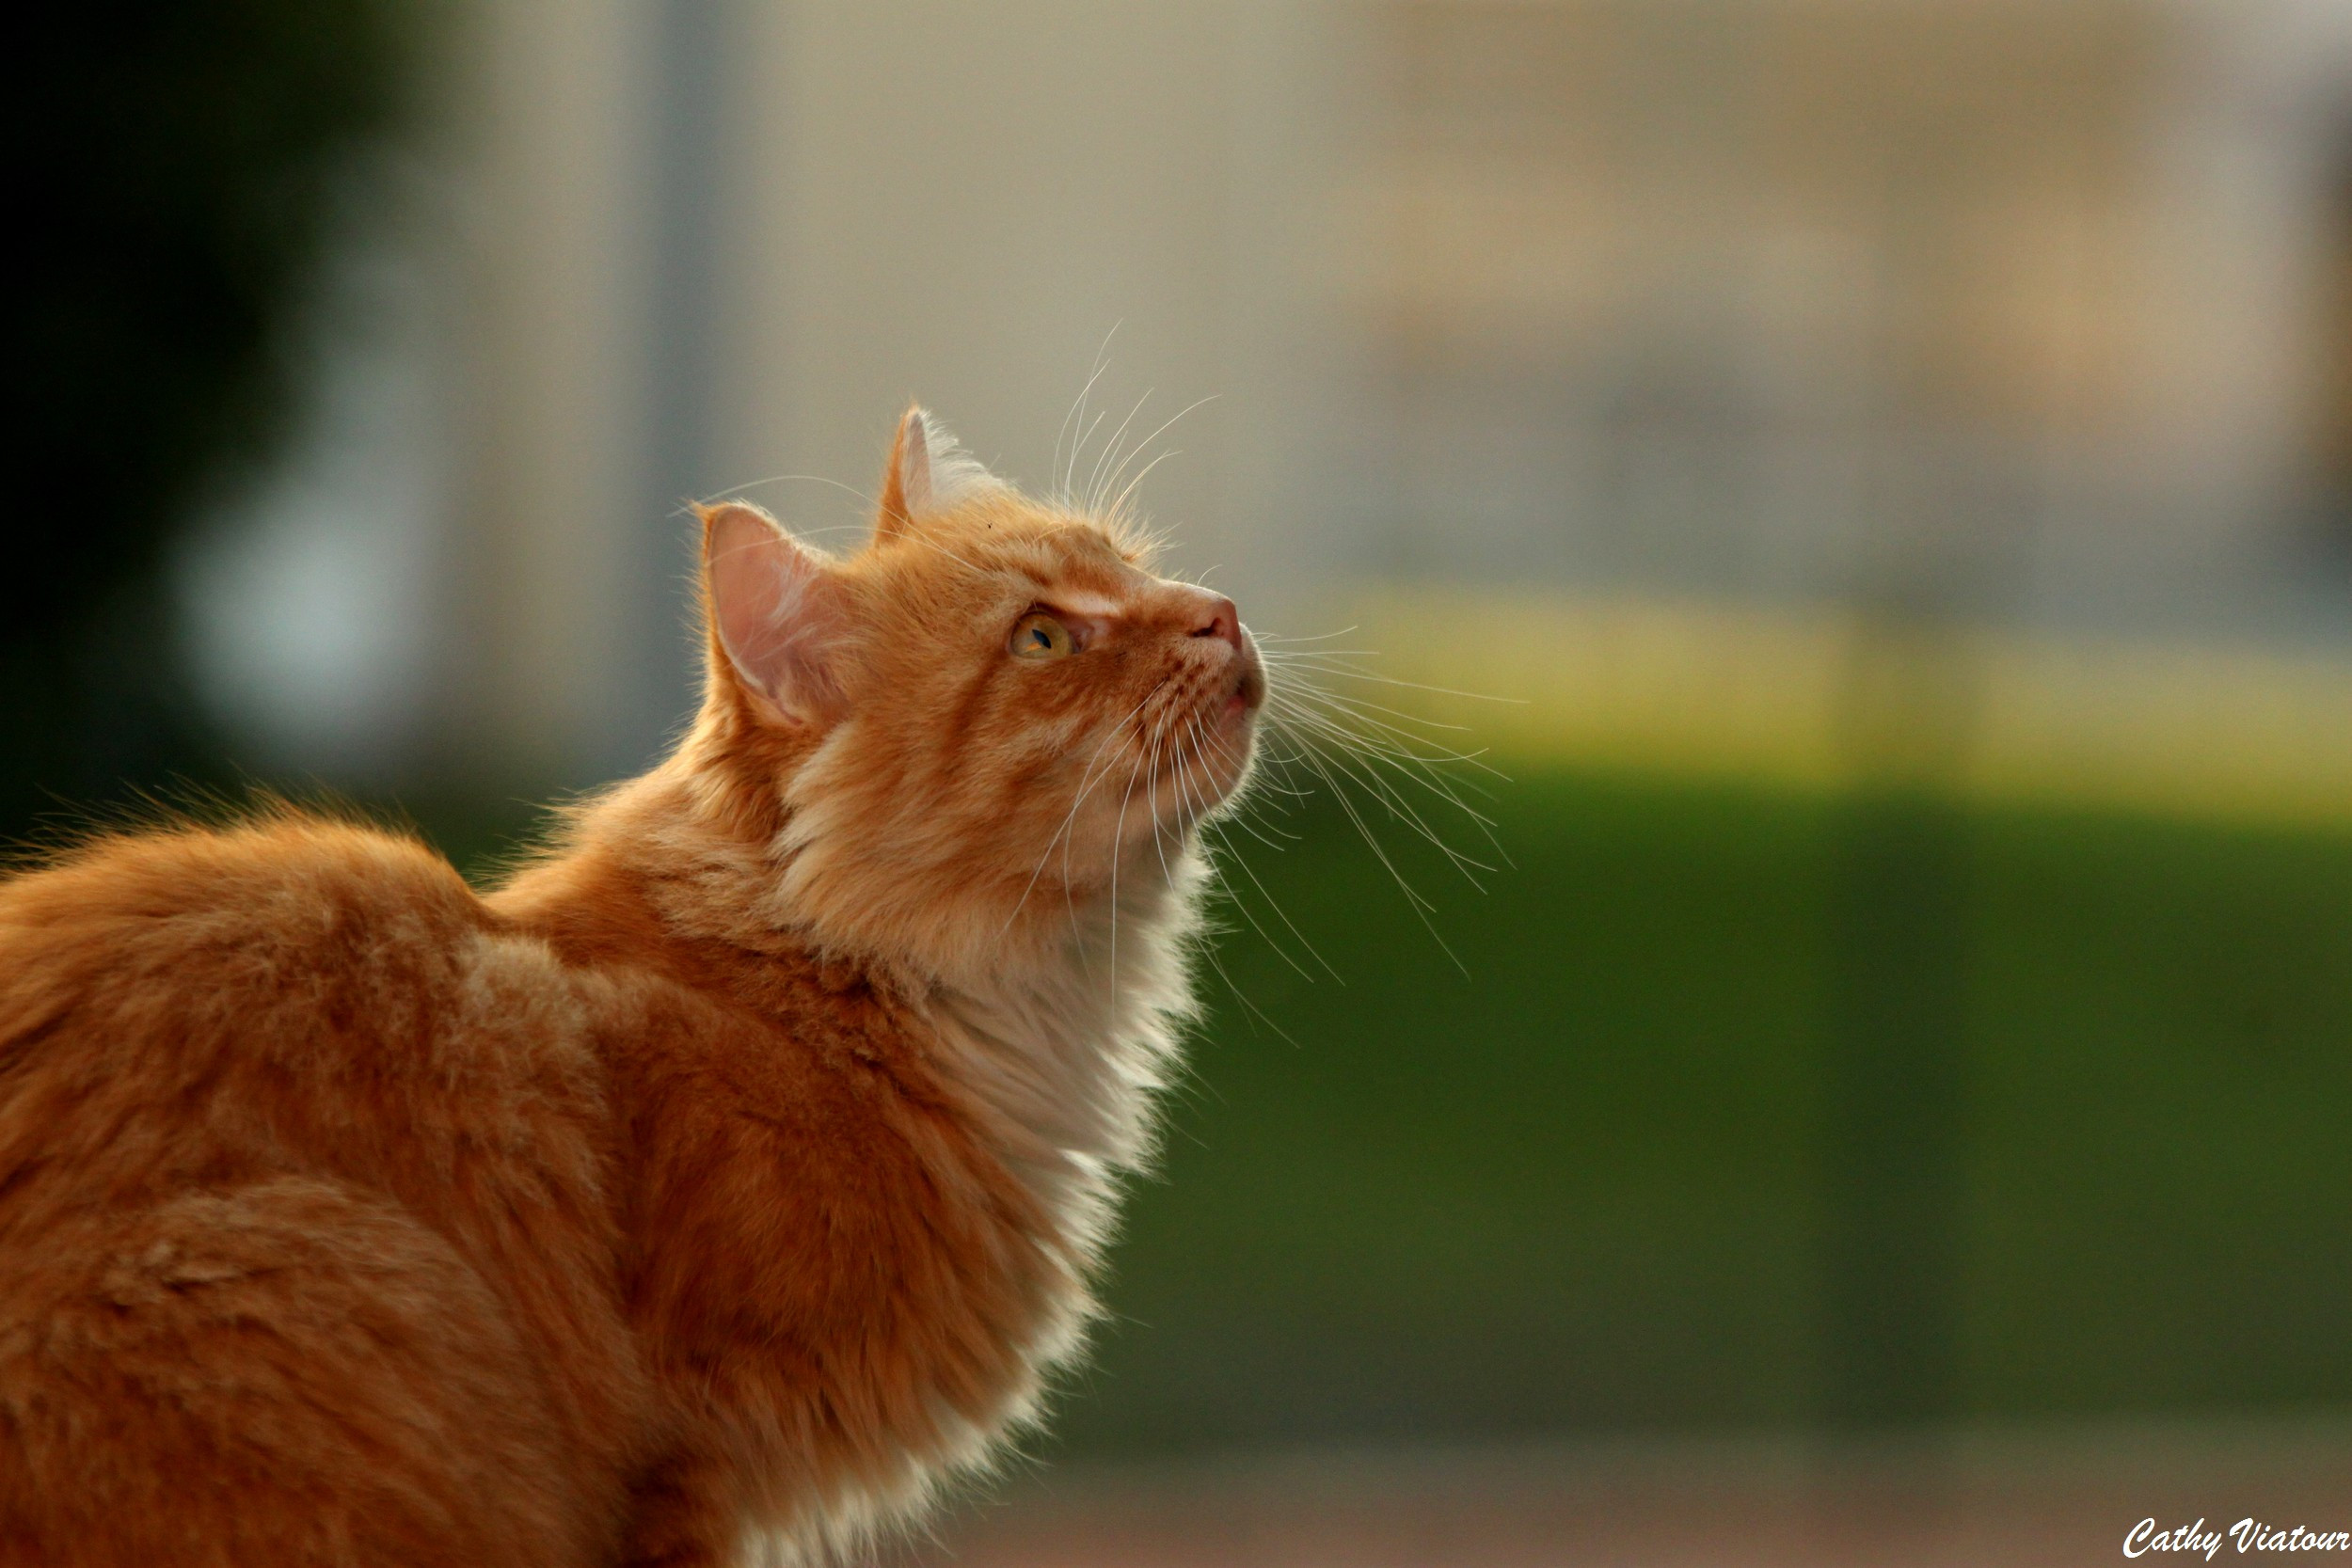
{"x": 1038, "y": 635}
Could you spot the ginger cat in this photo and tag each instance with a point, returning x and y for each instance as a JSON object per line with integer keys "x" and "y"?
{"x": 705, "y": 1191}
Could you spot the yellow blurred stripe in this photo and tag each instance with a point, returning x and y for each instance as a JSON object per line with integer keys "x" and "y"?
{"x": 1802, "y": 698}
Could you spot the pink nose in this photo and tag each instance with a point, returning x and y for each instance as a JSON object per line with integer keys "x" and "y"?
{"x": 1218, "y": 618}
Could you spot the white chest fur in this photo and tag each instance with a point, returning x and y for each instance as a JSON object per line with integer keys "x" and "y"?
{"x": 1063, "y": 1059}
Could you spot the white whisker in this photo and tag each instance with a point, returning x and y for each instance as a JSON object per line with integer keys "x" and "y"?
{"x": 1144, "y": 445}
{"x": 1077, "y": 409}
{"x": 1094, "y": 481}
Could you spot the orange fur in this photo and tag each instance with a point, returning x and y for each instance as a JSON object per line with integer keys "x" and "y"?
{"x": 731, "y": 1173}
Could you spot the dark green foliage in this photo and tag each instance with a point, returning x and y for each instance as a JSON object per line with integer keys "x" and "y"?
{"x": 176, "y": 165}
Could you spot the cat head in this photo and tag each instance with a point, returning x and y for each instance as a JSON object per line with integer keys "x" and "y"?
{"x": 980, "y": 732}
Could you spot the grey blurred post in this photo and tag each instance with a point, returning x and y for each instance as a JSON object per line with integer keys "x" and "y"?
{"x": 1897, "y": 1030}
{"x": 686, "y": 212}
{"x": 1895, "y": 1082}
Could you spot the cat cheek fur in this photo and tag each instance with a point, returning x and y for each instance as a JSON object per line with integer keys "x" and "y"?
{"x": 736, "y": 1169}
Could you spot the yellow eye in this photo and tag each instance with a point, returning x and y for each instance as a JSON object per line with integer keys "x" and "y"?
{"x": 1038, "y": 635}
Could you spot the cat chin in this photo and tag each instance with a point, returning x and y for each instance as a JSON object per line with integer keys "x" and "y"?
{"x": 1186, "y": 798}
{"x": 1226, "y": 763}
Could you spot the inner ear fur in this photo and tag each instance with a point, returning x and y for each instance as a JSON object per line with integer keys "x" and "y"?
{"x": 778, "y": 614}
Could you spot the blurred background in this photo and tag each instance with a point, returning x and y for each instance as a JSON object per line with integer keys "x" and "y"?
{"x": 1885, "y": 467}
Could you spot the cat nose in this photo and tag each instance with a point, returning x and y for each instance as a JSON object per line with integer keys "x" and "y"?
{"x": 1218, "y": 618}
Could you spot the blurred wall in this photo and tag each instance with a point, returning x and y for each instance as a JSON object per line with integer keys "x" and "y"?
{"x": 2034, "y": 309}
{"x": 872, "y": 204}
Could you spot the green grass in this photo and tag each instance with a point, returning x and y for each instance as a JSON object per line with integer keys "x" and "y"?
{"x": 2161, "y": 1139}
{"x": 1583, "y": 1187}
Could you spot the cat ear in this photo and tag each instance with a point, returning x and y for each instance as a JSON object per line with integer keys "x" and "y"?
{"x": 928, "y": 470}
{"x": 777, "y": 614}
